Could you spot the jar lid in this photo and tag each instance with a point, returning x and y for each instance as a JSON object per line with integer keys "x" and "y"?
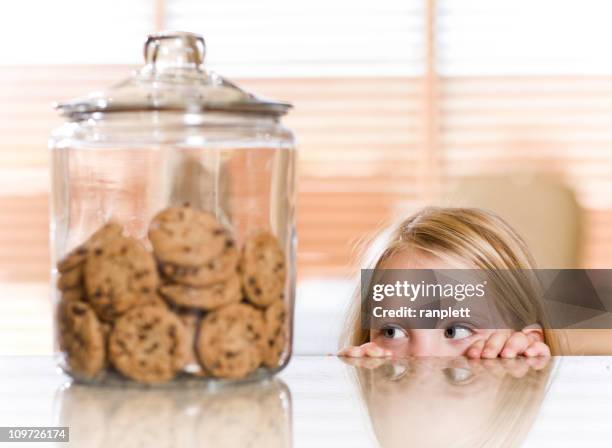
{"x": 173, "y": 78}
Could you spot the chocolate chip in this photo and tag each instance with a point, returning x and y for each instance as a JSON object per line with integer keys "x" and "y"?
{"x": 79, "y": 310}
{"x": 152, "y": 348}
{"x": 98, "y": 252}
{"x": 257, "y": 291}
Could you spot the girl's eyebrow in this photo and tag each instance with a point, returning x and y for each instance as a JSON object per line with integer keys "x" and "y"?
{"x": 479, "y": 319}
{"x": 478, "y": 324}
{"x": 381, "y": 322}
{"x": 482, "y": 315}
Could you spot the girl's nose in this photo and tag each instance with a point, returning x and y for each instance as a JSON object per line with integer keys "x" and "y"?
{"x": 422, "y": 343}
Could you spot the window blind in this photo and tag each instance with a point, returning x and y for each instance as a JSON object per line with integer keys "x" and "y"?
{"x": 391, "y": 97}
{"x": 277, "y": 38}
{"x": 354, "y": 71}
{"x": 39, "y": 32}
{"x": 520, "y": 93}
{"x": 350, "y": 70}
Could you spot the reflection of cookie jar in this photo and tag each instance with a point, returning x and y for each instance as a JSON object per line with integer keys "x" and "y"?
{"x": 173, "y": 235}
{"x": 259, "y": 412}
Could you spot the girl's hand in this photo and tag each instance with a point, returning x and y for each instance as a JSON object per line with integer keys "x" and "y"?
{"x": 369, "y": 349}
{"x": 528, "y": 342}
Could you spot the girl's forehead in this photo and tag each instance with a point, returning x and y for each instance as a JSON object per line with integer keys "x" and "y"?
{"x": 411, "y": 258}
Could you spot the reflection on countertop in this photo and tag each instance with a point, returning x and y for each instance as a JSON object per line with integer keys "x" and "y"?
{"x": 451, "y": 402}
{"x": 427, "y": 402}
{"x": 562, "y": 402}
{"x": 254, "y": 415}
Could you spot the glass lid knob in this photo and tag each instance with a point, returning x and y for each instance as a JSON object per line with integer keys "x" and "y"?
{"x": 174, "y": 50}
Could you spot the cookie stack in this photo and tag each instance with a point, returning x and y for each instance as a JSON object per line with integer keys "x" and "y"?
{"x": 203, "y": 271}
{"x": 194, "y": 304}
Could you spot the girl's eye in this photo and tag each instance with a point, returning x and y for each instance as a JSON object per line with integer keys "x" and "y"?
{"x": 457, "y": 332}
{"x": 457, "y": 375}
{"x": 393, "y": 333}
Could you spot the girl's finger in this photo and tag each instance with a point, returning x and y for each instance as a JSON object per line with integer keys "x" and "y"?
{"x": 532, "y": 336}
{"x": 368, "y": 349}
{"x": 363, "y": 363}
{"x": 370, "y": 363}
{"x": 494, "y": 344}
{"x": 374, "y": 351}
{"x": 538, "y": 363}
{"x": 537, "y": 349}
{"x": 352, "y": 352}
{"x": 475, "y": 350}
{"x": 515, "y": 345}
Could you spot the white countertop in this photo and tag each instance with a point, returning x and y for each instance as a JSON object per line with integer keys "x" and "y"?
{"x": 317, "y": 402}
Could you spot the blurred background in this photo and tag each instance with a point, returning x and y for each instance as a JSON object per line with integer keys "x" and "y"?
{"x": 505, "y": 104}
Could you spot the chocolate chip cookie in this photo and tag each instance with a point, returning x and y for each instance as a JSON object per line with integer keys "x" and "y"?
{"x": 277, "y": 333}
{"x": 71, "y": 279}
{"x": 204, "y": 297}
{"x": 216, "y": 270}
{"x": 118, "y": 275}
{"x": 148, "y": 344}
{"x": 263, "y": 271}
{"x": 81, "y": 338}
{"x": 74, "y": 294}
{"x": 230, "y": 341}
{"x": 102, "y": 236}
{"x": 185, "y": 236}
{"x": 153, "y": 300}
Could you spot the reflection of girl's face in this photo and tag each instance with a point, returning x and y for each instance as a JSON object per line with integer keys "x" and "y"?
{"x": 453, "y": 339}
{"x": 432, "y": 402}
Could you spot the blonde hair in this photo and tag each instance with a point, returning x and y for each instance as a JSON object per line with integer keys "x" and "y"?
{"x": 479, "y": 237}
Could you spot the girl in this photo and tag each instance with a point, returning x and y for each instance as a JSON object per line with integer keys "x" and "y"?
{"x": 457, "y": 238}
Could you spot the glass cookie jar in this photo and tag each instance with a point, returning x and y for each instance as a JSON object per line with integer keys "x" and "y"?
{"x": 172, "y": 226}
